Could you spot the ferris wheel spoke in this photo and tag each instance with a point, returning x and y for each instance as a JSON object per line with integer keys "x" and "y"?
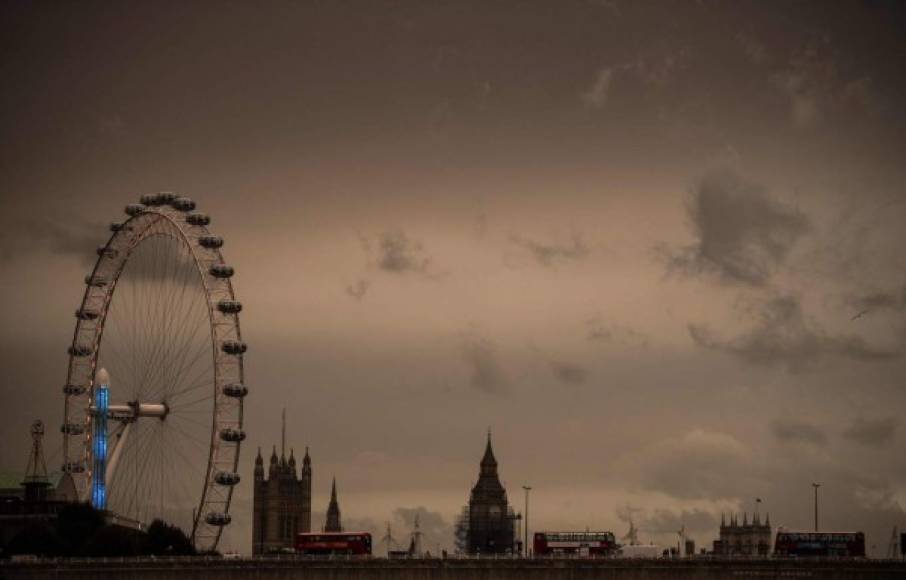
{"x": 202, "y": 377}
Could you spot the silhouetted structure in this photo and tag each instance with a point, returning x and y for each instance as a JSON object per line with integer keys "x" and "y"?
{"x": 748, "y": 539}
{"x": 282, "y": 501}
{"x": 333, "y": 523}
{"x": 486, "y": 524}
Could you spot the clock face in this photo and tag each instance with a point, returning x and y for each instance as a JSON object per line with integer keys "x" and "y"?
{"x": 494, "y": 511}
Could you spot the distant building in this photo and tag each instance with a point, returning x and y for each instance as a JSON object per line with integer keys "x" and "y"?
{"x": 282, "y": 502}
{"x": 36, "y": 497}
{"x": 486, "y": 524}
{"x": 746, "y": 539}
{"x": 333, "y": 523}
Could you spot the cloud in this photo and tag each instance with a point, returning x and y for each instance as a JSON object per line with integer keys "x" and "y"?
{"x": 879, "y": 301}
{"x": 436, "y": 531}
{"x": 568, "y": 373}
{"x": 789, "y": 431}
{"x": 816, "y": 89}
{"x": 782, "y": 335}
{"x": 486, "y": 374}
{"x": 664, "y": 521}
{"x": 398, "y": 254}
{"x": 755, "y": 51}
{"x": 62, "y": 235}
{"x": 742, "y": 234}
{"x": 872, "y": 432}
{"x": 600, "y": 331}
{"x": 359, "y": 289}
{"x": 699, "y": 464}
{"x": 549, "y": 254}
{"x": 595, "y": 96}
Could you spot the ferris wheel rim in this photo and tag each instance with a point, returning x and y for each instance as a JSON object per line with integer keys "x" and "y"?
{"x": 173, "y": 212}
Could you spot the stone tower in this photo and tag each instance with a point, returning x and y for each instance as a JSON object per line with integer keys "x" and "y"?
{"x": 489, "y": 516}
{"x": 282, "y": 501}
{"x": 747, "y": 539}
{"x": 333, "y": 511}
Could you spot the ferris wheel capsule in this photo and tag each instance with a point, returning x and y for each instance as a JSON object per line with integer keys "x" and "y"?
{"x": 96, "y": 280}
{"x": 198, "y": 219}
{"x": 183, "y": 204}
{"x": 226, "y": 478}
{"x": 235, "y": 390}
{"x": 74, "y": 390}
{"x": 134, "y": 209}
{"x": 232, "y": 435}
{"x": 229, "y": 306}
{"x": 74, "y": 467}
{"x": 218, "y": 519}
{"x": 151, "y": 199}
{"x": 210, "y": 242}
{"x": 72, "y": 428}
{"x": 80, "y": 350}
{"x": 167, "y": 197}
{"x": 221, "y": 271}
{"x": 234, "y": 347}
{"x": 87, "y": 314}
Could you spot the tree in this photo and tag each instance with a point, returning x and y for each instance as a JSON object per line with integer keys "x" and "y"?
{"x": 167, "y": 540}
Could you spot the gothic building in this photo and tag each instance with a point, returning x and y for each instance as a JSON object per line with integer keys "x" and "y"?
{"x": 747, "y": 539}
{"x": 333, "y": 511}
{"x": 282, "y": 502}
{"x": 486, "y": 525}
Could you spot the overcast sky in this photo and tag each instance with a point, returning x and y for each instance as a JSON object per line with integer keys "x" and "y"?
{"x": 656, "y": 246}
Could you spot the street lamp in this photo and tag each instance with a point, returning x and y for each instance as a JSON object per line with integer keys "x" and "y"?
{"x": 816, "y": 486}
{"x": 525, "y": 516}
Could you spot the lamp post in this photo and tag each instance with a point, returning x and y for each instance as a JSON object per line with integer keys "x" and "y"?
{"x": 816, "y": 486}
{"x": 525, "y": 517}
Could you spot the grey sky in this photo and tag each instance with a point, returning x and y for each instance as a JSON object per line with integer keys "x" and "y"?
{"x": 632, "y": 237}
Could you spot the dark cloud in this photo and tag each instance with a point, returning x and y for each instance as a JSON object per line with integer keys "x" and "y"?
{"x": 817, "y": 87}
{"x": 601, "y": 331}
{"x": 879, "y": 301}
{"x": 569, "y": 373}
{"x": 359, "y": 289}
{"x": 62, "y": 236}
{"x": 485, "y": 372}
{"x": 398, "y": 254}
{"x": 873, "y": 432}
{"x": 550, "y": 254}
{"x": 783, "y": 335}
{"x": 742, "y": 234}
{"x": 789, "y": 431}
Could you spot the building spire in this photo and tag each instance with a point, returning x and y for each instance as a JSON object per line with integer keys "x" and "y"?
{"x": 333, "y": 511}
{"x": 283, "y": 439}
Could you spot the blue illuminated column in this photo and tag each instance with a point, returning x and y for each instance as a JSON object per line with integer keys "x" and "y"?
{"x": 99, "y": 447}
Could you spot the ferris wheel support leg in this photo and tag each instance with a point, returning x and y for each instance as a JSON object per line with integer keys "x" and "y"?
{"x": 119, "y": 442}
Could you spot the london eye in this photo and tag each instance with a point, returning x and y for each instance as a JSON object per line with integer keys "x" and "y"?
{"x": 155, "y": 388}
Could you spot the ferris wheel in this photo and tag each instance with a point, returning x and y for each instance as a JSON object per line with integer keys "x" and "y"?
{"x": 154, "y": 394}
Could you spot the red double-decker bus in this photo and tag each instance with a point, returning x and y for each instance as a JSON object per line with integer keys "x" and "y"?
{"x": 575, "y": 543}
{"x": 820, "y": 544}
{"x": 327, "y": 543}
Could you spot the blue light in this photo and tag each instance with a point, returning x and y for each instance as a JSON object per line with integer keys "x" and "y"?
{"x": 99, "y": 464}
